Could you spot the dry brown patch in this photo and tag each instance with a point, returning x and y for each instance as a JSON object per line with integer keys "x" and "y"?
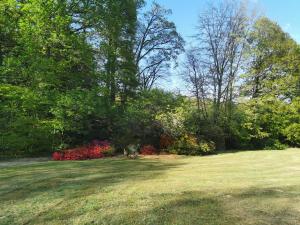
{"x": 161, "y": 156}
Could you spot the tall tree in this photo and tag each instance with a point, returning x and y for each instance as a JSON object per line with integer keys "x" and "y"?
{"x": 195, "y": 75}
{"x": 222, "y": 29}
{"x": 116, "y": 30}
{"x": 8, "y": 28}
{"x": 110, "y": 27}
{"x": 44, "y": 61}
{"x": 47, "y": 53}
{"x": 272, "y": 84}
{"x": 157, "y": 44}
{"x": 273, "y": 62}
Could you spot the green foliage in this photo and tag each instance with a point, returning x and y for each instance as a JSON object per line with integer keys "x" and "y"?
{"x": 275, "y": 145}
{"x": 272, "y": 115}
{"x": 47, "y": 78}
{"x": 207, "y": 147}
{"x": 173, "y": 119}
{"x": 24, "y": 125}
{"x": 269, "y": 120}
{"x": 274, "y": 61}
{"x": 204, "y": 128}
{"x": 292, "y": 129}
{"x": 109, "y": 152}
{"x": 75, "y": 113}
{"x": 292, "y": 132}
{"x": 189, "y": 145}
{"x": 116, "y": 26}
{"x": 138, "y": 123}
{"x": 70, "y": 73}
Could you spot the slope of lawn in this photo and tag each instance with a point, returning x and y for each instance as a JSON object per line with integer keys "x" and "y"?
{"x": 255, "y": 187}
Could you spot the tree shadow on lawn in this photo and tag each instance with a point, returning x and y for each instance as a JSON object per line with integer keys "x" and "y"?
{"x": 77, "y": 178}
{"x": 274, "y": 206}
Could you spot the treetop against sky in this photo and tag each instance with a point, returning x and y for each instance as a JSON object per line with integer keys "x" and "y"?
{"x": 285, "y": 13}
{"x": 185, "y": 15}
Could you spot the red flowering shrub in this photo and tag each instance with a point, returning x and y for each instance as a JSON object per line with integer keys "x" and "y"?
{"x": 57, "y": 156}
{"x": 148, "y": 150}
{"x": 93, "y": 151}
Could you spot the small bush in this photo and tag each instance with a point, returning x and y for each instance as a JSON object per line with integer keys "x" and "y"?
{"x": 189, "y": 145}
{"x": 185, "y": 145}
{"x": 148, "y": 150}
{"x": 57, "y": 156}
{"x": 276, "y": 145}
{"x": 92, "y": 151}
{"x": 292, "y": 133}
{"x": 109, "y": 152}
{"x": 165, "y": 141}
{"x": 207, "y": 147}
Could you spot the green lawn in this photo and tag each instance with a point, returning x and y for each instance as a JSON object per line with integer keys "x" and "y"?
{"x": 255, "y": 187}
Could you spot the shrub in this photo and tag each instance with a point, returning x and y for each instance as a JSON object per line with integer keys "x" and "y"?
{"x": 207, "y": 147}
{"x": 82, "y": 153}
{"x": 148, "y": 150}
{"x": 189, "y": 145}
{"x": 292, "y": 133}
{"x": 57, "y": 156}
{"x": 109, "y": 152}
{"x": 185, "y": 145}
{"x": 165, "y": 141}
{"x": 92, "y": 151}
{"x": 275, "y": 145}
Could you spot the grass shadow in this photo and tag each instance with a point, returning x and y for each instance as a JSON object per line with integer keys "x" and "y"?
{"x": 250, "y": 206}
{"x": 71, "y": 179}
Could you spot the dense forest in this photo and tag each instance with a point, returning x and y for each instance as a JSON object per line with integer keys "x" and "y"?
{"x": 76, "y": 71}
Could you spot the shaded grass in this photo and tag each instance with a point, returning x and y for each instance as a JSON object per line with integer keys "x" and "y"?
{"x": 260, "y": 187}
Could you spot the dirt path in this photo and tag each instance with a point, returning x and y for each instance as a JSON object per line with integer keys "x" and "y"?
{"x": 23, "y": 161}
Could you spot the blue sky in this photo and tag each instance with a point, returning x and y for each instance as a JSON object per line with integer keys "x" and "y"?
{"x": 185, "y": 15}
{"x": 285, "y": 12}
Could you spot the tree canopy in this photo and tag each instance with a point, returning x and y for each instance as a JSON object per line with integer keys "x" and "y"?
{"x": 73, "y": 71}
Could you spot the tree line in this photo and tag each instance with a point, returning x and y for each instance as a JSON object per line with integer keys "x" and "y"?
{"x": 74, "y": 71}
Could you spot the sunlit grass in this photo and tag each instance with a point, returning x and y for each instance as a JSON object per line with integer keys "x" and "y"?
{"x": 255, "y": 187}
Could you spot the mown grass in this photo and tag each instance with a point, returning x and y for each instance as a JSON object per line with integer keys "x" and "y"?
{"x": 255, "y": 187}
